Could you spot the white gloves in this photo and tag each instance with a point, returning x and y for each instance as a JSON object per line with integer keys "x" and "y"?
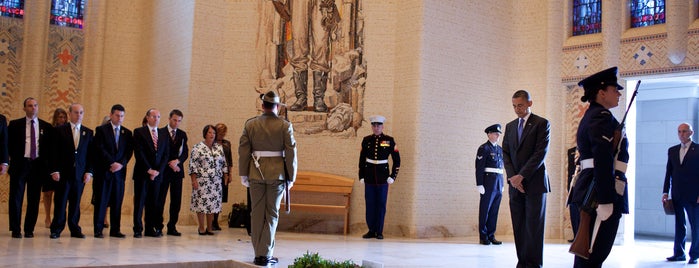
{"x": 361, "y": 180}
{"x": 244, "y": 181}
{"x": 481, "y": 189}
{"x": 604, "y": 211}
{"x": 390, "y": 180}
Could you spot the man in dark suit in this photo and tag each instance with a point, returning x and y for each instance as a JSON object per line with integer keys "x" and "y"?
{"x": 151, "y": 152}
{"x": 71, "y": 167}
{"x": 681, "y": 176}
{"x": 29, "y": 145}
{"x": 174, "y": 172}
{"x": 524, "y": 148}
{"x": 489, "y": 169}
{"x": 113, "y": 147}
{"x": 4, "y": 155}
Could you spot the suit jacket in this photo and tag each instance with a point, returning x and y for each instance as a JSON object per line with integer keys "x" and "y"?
{"x": 526, "y": 157}
{"x": 489, "y": 156}
{"x": 4, "y": 155}
{"x": 72, "y": 162}
{"x": 147, "y": 157}
{"x": 684, "y": 177}
{"x": 16, "y": 143}
{"x": 107, "y": 152}
{"x": 180, "y": 142}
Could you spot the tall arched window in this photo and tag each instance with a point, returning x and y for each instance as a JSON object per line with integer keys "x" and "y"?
{"x": 68, "y": 13}
{"x": 587, "y": 17}
{"x": 647, "y": 12}
{"x": 12, "y": 8}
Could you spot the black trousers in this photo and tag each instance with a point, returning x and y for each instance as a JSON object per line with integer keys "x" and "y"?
{"x": 109, "y": 192}
{"x": 68, "y": 195}
{"x": 25, "y": 174}
{"x": 174, "y": 185}
{"x": 146, "y": 196}
{"x": 528, "y": 212}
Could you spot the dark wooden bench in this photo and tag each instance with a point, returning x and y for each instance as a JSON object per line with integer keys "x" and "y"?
{"x": 311, "y": 182}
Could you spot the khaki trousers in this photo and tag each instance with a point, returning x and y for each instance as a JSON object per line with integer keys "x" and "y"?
{"x": 265, "y": 198}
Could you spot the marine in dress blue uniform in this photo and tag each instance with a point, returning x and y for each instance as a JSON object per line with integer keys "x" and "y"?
{"x": 489, "y": 181}
{"x": 375, "y": 174}
{"x": 598, "y": 162}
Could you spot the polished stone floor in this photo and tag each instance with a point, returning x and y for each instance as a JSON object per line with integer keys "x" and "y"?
{"x": 231, "y": 248}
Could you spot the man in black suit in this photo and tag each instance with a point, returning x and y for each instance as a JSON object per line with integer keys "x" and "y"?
{"x": 71, "y": 167}
{"x": 113, "y": 147}
{"x": 4, "y": 155}
{"x": 151, "y": 150}
{"x": 29, "y": 145}
{"x": 681, "y": 176}
{"x": 174, "y": 172}
{"x": 524, "y": 148}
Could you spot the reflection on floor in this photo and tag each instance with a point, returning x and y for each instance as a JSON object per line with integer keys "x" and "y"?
{"x": 232, "y": 248}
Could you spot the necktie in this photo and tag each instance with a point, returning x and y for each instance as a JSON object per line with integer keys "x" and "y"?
{"x": 116, "y": 136}
{"x": 683, "y": 152}
{"x": 155, "y": 138}
{"x": 32, "y": 148}
{"x": 172, "y": 136}
{"x": 519, "y": 129}
{"x": 76, "y": 136}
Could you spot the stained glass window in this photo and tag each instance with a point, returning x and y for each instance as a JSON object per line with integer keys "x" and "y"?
{"x": 68, "y": 13}
{"x": 587, "y": 17}
{"x": 647, "y": 12}
{"x": 12, "y": 8}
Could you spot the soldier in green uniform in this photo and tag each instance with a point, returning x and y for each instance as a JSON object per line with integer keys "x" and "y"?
{"x": 267, "y": 147}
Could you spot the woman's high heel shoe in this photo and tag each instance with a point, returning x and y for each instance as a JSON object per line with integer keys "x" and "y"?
{"x": 204, "y": 233}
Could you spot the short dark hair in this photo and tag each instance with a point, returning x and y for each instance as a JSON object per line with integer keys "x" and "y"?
{"x": 24, "y": 104}
{"x": 206, "y": 130}
{"x": 176, "y": 112}
{"x": 117, "y": 107}
{"x": 522, "y": 94}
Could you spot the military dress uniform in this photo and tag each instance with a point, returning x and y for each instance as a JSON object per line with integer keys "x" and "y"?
{"x": 489, "y": 169}
{"x": 374, "y": 170}
{"x": 267, "y": 141}
{"x": 597, "y": 162}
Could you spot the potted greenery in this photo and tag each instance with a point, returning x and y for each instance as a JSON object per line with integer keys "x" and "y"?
{"x": 314, "y": 260}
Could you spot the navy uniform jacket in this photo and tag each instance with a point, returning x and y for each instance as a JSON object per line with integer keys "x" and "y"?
{"x": 489, "y": 156}
{"x": 378, "y": 148}
{"x": 683, "y": 177}
{"x": 595, "y": 137}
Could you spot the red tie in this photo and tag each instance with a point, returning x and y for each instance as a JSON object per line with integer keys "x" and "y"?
{"x": 155, "y": 139}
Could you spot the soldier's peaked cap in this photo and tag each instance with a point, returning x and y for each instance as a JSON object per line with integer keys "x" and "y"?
{"x": 493, "y": 128}
{"x": 601, "y": 80}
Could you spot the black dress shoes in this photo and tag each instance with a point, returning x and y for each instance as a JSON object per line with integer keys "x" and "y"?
{"x": 174, "y": 233}
{"x": 137, "y": 235}
{"x": 54, "y": 235}
{"x": 369, "y": 234}
{"x": 692, "y": 261}
{"x": 28, "y": 235}
{"x": 485, "y": 242}
{"x": 677, "y": 258}
{"x": 264, "y": 260}
{"x": 117, "y": 235}
{"x": 152, "y": 234}
{"x": 216, "y": 227}
{"x": 99, "y": 235}
{"x": 379, "y": 236}
{"x": 495, "y": 241}
{"x": 78, "y": 235}
{"x": 16, "y": 235}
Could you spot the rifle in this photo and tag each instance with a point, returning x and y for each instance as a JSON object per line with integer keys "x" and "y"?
{"x": 583, "y": 244}
{"x": 287, "y": 198}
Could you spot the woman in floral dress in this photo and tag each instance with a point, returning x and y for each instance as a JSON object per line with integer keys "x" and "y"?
{"x": 207, "y": 168}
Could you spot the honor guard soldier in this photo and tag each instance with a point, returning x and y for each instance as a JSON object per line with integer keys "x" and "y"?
{"x": 602, "y": 163}
{"x": 374, "y": 174}
{"x": 489, "y": 169}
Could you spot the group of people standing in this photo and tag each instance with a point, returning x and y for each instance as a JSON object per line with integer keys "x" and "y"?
{"x": 64, "y": 157}
{"x": 522, "y": 160}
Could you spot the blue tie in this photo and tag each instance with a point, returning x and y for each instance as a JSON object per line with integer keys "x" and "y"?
{"x": 519, "y": 129}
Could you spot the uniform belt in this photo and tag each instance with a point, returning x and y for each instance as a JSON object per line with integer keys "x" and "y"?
{"x": 377, "y": 162}
{"x": 268, "y": 153}
{"x": 587, "y": 163}
{"x": 493, "y": 170}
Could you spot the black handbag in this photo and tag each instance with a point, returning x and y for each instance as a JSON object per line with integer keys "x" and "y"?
{"x": 239, "y": 216}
